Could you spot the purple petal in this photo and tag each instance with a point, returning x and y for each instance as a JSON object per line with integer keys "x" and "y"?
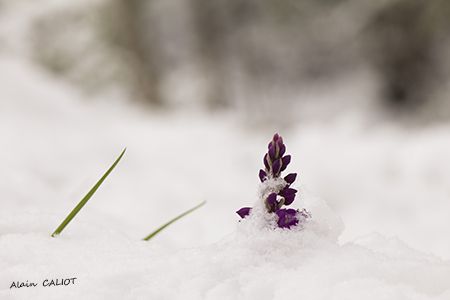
{"x": 287, "y": 218}
{"x": 288, "y": 194}
{"x": 282, "y": 148}
{"x": 290, "y": 178}
{"x": 243, "y": 212}
{"x": 262, "y": 175}
{"x": 286, "y": 160}
{"x": 273, "y": 141}
{"x": 276, "y": 137}
{"x": 266, "y": 161}
{"x": 276, "y": 166}
{"x": 272, "y": 203}
{"x": 287, "y": 191}
{"x": 289, "y": 199}
{"x": 272, "y": 150}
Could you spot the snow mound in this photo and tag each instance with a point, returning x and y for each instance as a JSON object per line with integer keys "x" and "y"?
{"x": 251, "y": 263}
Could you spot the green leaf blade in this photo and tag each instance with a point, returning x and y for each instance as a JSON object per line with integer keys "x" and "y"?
{"x": 86, "y": 198}
{"x": 151, "y": 235}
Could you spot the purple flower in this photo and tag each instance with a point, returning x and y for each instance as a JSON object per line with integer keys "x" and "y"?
{"x": 287, "y": 217}
{"x": 288, "y": 194}
{"x": 285, "y": 161}
{"x": 243, "y": 212}
{"x": 276, "y": 162}
{"x": 262, "y": 175}
{"x": 276, "y": 168}
{"x": 290, "y": 178}
{"x": 272, "y": 203}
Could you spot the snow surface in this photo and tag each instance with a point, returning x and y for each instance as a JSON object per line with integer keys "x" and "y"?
{"x": 54, "y": 146}
{"x": 389, "y": 185}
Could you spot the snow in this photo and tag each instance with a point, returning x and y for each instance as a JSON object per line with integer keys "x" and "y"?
{"x": 381, "y": 232}
{"x": 253, "y": 262}
{"x": 270, "y": 185}
{"x": 55, "y": 145}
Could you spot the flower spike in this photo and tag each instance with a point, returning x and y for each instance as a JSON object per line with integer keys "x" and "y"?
{"x": 280, "y": 193}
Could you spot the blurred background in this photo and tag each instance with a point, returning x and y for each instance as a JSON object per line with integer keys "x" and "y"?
{"x": 195, "y": 90}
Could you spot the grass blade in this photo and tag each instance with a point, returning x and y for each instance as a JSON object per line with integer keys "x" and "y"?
{"x": 86, "y": 198}
{"x": 151, "y": 235}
